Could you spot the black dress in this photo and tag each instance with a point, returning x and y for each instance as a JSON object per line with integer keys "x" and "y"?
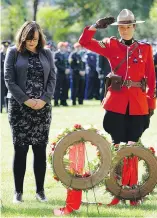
{"x": 31, "y": 127}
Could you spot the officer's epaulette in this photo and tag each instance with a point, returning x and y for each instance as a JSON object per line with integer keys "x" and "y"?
{"x": 113, "y": 37}
{"x": 143, "y": 42}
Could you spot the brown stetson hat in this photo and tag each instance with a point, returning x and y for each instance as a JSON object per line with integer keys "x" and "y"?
{"x": 126, "y": 17}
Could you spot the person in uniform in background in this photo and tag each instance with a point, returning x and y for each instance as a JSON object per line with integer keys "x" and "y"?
{"x": 103, "y": 69}
{"x": 61, "y": 83}
{"x": 4, "y": 90}
{"x": 50, "y": 45}
{"x": 130, "y": 98}
{"x": 30, "y": 78}
{"x": 92, "y": 80}
{"x": 77, "y": 75}
{"x": 67, "y": 71}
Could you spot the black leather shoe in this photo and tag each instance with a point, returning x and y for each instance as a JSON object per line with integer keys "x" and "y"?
{"x": 80, "y": 102}
{"x": 74, "y": 103}
{"x": 56, "y": 104}
{"x": 64, "y": 103}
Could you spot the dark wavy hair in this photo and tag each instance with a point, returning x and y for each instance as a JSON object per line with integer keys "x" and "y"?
{"x": 26, "y": 32}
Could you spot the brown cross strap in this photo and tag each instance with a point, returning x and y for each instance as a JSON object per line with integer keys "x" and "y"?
{"x": 124, "y": 59}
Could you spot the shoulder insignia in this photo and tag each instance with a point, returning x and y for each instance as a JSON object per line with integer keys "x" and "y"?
{"x": 102, "y": 44}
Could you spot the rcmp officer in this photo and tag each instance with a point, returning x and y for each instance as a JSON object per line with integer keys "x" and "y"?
{"x": 4, "y": 90}
{"x": 77, "y": 75}
{"x": 67, "y": 71}
{"x": 130, "y": 99}
{"x": 61, "y": 83}
{"x": 92, "y": 81}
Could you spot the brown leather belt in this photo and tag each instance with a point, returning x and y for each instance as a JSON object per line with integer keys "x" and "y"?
{"x": 130, "y": 83}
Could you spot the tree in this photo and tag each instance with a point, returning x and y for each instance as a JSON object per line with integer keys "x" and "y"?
{"x": 142, "y": 31}
{"x": 80, "y": 11}
{"x": 67, "y": 19}
{"x": 87, "y": 12}
{"x": 51, "y": 20}
{"x": 153, "y": 11}
{"x": 14, "y": 15}
{"x": 35, "y": 7}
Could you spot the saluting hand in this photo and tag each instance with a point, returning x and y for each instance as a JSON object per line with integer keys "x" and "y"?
{"x": 82, "y": 73}
{"x": 104, "y": 22}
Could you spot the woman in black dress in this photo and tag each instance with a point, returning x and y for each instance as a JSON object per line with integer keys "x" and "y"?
{"x": 30, "y": 79}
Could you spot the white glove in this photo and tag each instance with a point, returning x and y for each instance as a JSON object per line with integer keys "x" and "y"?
{"x": 67, "y": 71}
{"x": 82, "y": 73}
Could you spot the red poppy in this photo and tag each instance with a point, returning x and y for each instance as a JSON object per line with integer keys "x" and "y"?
{"x": 152, "y": 150}
{"x": 86, "y": 174}
{"x": 77, "y": 126}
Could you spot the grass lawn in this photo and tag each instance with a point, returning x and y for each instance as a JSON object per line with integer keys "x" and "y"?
{"x": 90, "y": 113}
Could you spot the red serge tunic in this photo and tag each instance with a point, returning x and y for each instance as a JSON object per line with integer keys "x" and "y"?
{"x": 139, "y": 65}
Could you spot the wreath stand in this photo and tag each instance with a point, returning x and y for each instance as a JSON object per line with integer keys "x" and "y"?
{"x": 76, "y": 141}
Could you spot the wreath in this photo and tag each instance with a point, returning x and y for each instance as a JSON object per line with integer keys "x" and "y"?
{"x": 148, "y": 180}
{"x": 94, "y": 171}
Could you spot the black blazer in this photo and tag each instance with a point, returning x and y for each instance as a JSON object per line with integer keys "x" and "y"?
{"x": 15, "y": 74}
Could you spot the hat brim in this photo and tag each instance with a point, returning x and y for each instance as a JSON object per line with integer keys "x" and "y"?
{"x": 120, "y": 24}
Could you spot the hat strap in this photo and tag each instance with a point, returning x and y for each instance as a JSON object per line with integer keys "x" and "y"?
{"x": 127, "y": 22}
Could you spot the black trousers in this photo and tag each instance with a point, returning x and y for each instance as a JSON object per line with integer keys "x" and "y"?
{"x": 3, "y": 94}
{"x": 125, "y": 127}
{"x": 77, "y": 87}
{"x": 19, "y": 166}
{"x": 61, "y": 87}
{"x": 92, "y": 86}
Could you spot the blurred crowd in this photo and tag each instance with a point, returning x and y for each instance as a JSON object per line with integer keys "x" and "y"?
{"x": 80, "y": 73}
